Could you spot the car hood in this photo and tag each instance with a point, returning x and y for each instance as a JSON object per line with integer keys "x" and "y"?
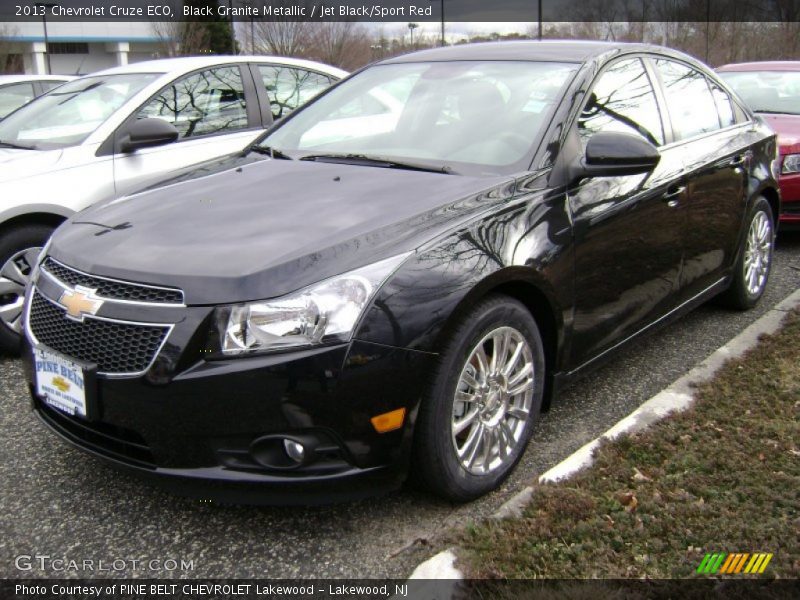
{"x": 17, "y": 164}
{"x": 246, "y": 230}
{"x": 788, "y": 129}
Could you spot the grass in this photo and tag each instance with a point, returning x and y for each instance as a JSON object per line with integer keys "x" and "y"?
{"x": 724, "y": 476}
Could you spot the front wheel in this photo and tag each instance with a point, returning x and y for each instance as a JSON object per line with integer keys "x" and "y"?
{"x": 755, "y": 259}
{"x": 487, "y": 391}
{"x": 19, "y": 251}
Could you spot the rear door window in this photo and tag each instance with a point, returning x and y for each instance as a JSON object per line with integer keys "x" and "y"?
{"x": 691, "y": 105}
{"x": 727, "y": 116}
{"x": 290, "y": 87}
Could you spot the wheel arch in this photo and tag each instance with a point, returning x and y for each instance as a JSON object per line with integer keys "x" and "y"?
{"x": 534, "y": 292}
{"x": 39, "y": 217}
{"x": 774, "y": 199}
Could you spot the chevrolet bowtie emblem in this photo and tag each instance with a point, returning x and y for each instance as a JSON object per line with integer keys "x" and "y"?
{"x": 61, "y": 383}
{"x": 80, "y": 302}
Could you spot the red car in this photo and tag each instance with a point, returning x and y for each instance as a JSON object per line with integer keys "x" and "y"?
{"x": 772, "y": 89}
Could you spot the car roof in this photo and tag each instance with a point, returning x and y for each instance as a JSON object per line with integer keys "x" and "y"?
{"x": 4, "y": 79}
{"x": 185, "y": 64}
{"x": 765, "y": 65}
{"x": 575, "y": 51}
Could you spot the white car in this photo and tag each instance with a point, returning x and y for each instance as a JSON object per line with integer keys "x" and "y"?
{"x": 18, "y": 90}
{"x": 111, "y": 132}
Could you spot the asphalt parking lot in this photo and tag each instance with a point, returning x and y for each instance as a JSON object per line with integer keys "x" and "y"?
{"x": 59, "y": 502}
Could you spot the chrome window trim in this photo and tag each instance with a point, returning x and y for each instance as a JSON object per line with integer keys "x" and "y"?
{"x": 37, "y": 344}
{"x": 729, "y": 128}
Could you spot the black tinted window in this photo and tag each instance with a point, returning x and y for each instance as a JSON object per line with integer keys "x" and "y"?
{"x": 691, "y": 105}
{"x": 623, "y": 100}
{"x": 724, "y": 106}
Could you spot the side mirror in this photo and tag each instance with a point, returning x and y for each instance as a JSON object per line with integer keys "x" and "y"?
{"x": 146, "y": 133}
{"x": 613, "y": 154}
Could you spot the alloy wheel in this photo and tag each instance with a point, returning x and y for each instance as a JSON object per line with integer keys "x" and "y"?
{"x": 757, "y": 253}
{"x": 14, "y": 276}
{"x": 493, "y": 401}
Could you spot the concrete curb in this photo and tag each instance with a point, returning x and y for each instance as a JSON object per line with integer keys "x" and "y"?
{"x": 676, "y": 397}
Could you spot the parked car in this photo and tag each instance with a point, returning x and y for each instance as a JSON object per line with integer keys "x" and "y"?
{"x": 772, "y": 90}
{"x": 111, "y": 132}
{"x": 403, "y": 299}
{"x": 18, "y": 90}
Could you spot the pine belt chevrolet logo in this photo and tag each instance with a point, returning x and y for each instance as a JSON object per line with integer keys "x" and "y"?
{"x": 80, "y": 302}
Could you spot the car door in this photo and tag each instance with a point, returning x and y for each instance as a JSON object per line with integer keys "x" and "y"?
{"x": 715, "y": 153}
{"x": 628, "y": 231}
{"x": 215, "y": 112}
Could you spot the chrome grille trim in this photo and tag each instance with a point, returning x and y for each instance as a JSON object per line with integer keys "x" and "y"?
{"x": 87, "y": 283}
{"x": 109, "y": 374}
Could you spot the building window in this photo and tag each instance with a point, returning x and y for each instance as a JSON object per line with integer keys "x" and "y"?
{"x": 68, "y": 48}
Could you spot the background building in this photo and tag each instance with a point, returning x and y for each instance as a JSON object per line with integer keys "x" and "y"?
{"x": 77, "y": 48}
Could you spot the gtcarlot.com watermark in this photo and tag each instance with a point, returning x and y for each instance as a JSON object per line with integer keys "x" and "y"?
{"x": 61, "y": 564}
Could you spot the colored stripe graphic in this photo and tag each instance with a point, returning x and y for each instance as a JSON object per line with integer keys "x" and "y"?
{"x": 764, "y": 564}
{"x": 711, "y": 563}
{"x": 720, "y": 562}
{"x": 740, "y": 563}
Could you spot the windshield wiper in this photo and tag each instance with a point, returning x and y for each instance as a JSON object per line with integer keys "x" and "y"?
{"x": 268, "y": 151}
{"x": 773, "y": 112}
{"x": 378, "y": 161}
{"x": 16, "y": 146}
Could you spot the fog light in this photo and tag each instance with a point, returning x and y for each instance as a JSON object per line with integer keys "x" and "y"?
{"x": 294, "y": 450}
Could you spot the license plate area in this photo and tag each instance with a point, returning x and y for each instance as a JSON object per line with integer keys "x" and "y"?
{"x": 65, "y": 384}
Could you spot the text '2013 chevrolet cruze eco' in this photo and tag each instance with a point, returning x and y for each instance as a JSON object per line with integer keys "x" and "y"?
{"x": 398, "y": 277}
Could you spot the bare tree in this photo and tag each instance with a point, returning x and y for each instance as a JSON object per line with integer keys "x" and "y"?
{"x": 180, "y": 38}
{"x": 282, "y": 37}
{"x": 345, "y": 44}
{"x": 9, "y": 60}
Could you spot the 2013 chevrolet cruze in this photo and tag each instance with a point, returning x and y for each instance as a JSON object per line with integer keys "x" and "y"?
{"x": 375, "y": 288}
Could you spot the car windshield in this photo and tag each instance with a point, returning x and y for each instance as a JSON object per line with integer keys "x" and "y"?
{"x": 767, "y": 91}
{"x": 477, "y": 117}
{"x": 70, "y": 113}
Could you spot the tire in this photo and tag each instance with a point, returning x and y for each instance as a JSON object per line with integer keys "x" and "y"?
{"x": 494, "y": 403}
{"x": 19, "y": 248}
{"x": 754, "y": 262}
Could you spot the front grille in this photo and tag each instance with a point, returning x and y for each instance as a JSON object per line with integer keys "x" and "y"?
{"x": 112, "y": 290}
{"x": 115, "y": 442}
{"x": 115, "y": 348}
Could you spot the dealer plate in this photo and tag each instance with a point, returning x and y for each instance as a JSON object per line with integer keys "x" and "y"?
{"x": 60, "y": 382}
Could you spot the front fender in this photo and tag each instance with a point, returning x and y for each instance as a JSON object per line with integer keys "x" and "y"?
{"x": 526, "y": 240}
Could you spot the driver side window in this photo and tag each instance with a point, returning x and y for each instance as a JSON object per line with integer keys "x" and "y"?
{"x": 623, "y": 100}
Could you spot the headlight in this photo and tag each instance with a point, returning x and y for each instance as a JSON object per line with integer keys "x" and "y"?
{"x": 324, "y": 312}
{"x": 791, "y": 164}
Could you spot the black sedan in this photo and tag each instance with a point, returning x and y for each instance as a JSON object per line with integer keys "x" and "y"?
{"x": 400, "y": 276}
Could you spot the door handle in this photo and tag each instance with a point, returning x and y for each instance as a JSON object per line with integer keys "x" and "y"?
{"x": 673, "y": 194}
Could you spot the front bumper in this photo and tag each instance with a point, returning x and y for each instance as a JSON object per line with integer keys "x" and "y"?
{"x": 192, "y": 428}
